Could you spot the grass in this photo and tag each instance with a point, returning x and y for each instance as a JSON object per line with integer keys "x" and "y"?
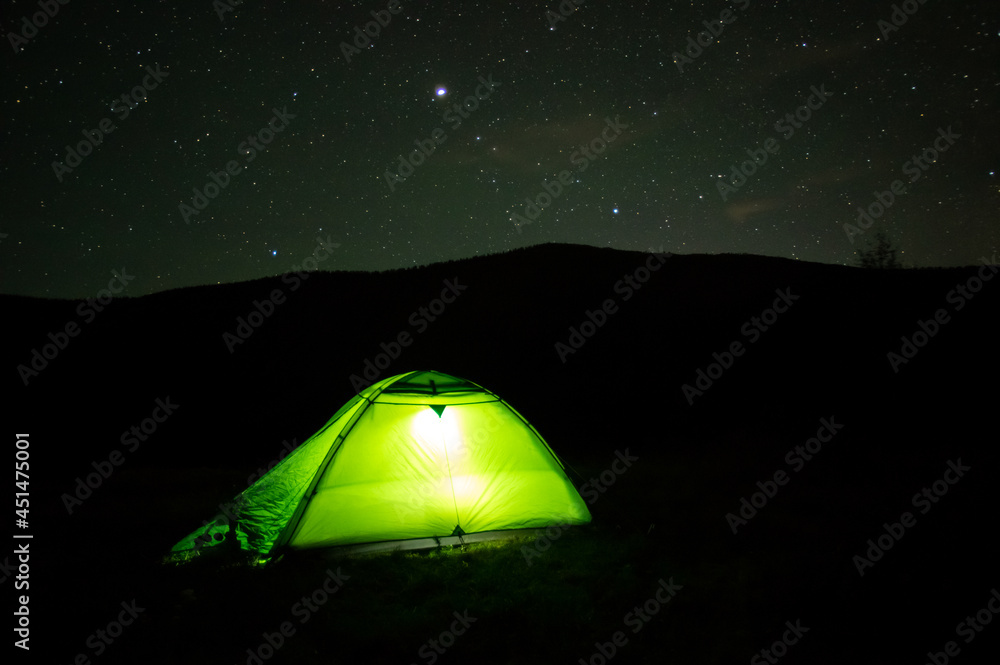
{"x": 663, "y": 519}
{"x": 394, "y": 603}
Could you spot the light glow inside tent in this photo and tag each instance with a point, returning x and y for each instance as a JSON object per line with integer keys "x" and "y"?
{"x": 445, "y": 430}
{"x": 418, "y": 455}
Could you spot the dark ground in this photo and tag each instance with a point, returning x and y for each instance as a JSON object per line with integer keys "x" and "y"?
{"x": 664, "y": 518}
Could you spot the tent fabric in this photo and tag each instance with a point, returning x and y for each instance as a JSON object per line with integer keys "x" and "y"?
{"x": 418, "y": 455}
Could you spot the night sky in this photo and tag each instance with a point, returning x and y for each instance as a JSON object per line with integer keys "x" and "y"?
{"x": 672, "y": 131}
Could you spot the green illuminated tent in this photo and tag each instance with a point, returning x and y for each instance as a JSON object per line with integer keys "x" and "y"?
{"x": 419, "y": 455}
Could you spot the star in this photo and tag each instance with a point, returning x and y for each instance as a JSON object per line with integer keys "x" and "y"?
{"x": 356, "y": 187}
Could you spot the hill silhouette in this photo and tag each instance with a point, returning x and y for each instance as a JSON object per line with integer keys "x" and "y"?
{"x": 824, "y": 355}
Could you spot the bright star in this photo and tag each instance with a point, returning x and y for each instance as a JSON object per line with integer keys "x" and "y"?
{"x": 441, "y": 92}
{"x": 614, "y": 210}
{"x": 274, "y": 252}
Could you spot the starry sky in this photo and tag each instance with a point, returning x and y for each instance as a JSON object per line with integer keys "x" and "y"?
{"x": 642, "y": 124}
